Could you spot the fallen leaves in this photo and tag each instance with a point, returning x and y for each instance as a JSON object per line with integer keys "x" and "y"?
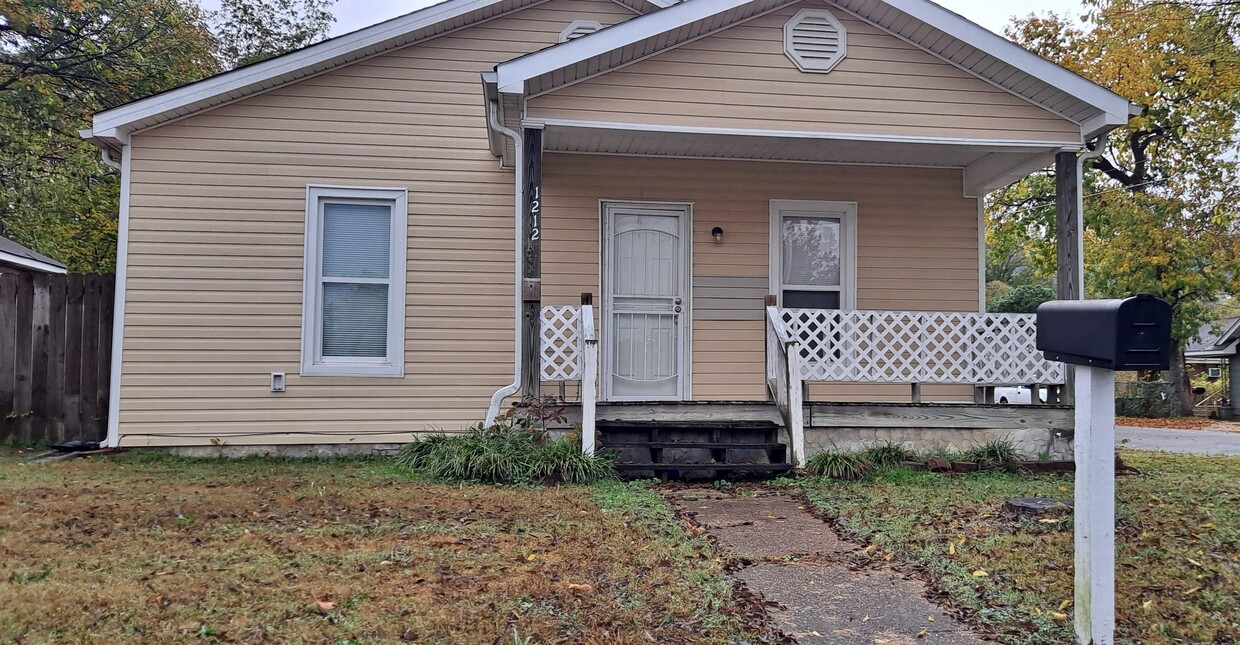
{"x": 1183, "y": 423}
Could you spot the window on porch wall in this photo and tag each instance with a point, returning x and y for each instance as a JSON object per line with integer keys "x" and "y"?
{"x": 812, "y": 262}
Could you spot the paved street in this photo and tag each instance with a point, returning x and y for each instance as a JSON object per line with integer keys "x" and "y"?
{"x": 1199, "y": 442}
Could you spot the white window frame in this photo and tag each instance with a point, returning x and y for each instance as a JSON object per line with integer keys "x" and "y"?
{"x": 313, "y": 363}
{"x": 846, "y": 213}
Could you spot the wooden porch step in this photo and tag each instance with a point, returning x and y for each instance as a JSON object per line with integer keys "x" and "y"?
{"x": 691, "y": 444}
{"x": 779, "y": 468}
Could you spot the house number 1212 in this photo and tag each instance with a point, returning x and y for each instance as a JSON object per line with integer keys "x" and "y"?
{"x": 535, "y": 208}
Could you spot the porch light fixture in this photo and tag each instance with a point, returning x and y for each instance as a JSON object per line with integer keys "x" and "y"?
{"x": 717, "y": 235}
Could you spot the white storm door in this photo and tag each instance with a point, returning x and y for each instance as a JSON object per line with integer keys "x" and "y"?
{"x": 645, "y": 302}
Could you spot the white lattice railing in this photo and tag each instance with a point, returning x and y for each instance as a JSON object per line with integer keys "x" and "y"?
{"x": 561, "y": 343}
{"x": 570, "y": 353}
{"x": 918, "y": 347}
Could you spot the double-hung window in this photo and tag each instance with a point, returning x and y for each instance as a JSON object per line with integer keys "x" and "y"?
{"x": 353, "y": 322}
{"x": 813, "y": 254}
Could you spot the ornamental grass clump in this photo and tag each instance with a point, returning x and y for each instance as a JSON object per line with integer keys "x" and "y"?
{"x": 992, "y": 453}
{"x": 514, "y": 450}
{"x": 839, "y": 465}
{"x": 888, "y": 455}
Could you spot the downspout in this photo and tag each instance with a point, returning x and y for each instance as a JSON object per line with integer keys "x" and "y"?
{"x": 1098, "y": 149}
{"x": 519, "y": 237}
{"x": 106, "y": 158}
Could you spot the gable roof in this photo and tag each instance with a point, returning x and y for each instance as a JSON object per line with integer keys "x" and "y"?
{"x": 934, "y": 29}
{"x": 1215, "y": 339}
{"x": 13, "y": 254}
{"x": 921, "y": 22}
{"x": 112, "y": 127}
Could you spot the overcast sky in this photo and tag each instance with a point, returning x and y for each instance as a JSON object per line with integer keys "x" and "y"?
{"x": 352, "y": 15}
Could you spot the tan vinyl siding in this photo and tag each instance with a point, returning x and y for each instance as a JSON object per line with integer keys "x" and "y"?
{"x": 917, "y": 246}
{"x": 214, "y": 287}
{"x": 740, "y": 78}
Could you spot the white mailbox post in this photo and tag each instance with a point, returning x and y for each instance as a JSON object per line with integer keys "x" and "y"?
{"x": 1100, "y": 337}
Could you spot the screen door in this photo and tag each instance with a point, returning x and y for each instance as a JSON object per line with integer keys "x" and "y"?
{"x": 644, "y": 288}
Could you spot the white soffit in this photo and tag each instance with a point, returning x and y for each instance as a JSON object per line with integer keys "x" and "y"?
{"x": 984, "y": 162}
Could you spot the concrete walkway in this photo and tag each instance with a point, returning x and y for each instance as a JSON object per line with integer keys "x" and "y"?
{"x": 799, "y": 563}
{"x": 1197, "y": 442}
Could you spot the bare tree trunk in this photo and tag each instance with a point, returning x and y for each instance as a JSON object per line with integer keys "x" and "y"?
{"x": 1182, "y": 389}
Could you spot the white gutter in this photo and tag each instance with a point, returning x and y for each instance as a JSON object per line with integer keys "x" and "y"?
{"x": 519, "y": 237}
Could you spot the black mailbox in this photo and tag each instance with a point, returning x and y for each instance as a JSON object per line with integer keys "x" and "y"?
{"x": 1131, "y": 333}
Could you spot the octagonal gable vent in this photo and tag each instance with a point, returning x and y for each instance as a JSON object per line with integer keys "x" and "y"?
{"x": 579, "y": 28}
{"x": 815, "y": 40}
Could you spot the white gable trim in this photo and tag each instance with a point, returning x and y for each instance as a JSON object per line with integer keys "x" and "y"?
{"x": 511, "y": 76}
{"x": 1112, "y": 109}
{"x": 1113, "y": 105}
{"x": 115, "y": 124}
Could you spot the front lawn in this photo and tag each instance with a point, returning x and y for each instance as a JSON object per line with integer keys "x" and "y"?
{"x": 149, "y": 548}
{"x": 1178, "y": 573}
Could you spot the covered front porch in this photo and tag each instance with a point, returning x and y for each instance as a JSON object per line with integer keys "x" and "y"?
{"x": 682, "y": 300}
{"x": 765, "y": 217}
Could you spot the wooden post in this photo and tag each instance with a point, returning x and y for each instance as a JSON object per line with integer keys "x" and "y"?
{"x": 916, "y": 392}
{"x": 1070, "y": 281}
{"x": 531, "y": 267}
{"x": 1094, "y": 512}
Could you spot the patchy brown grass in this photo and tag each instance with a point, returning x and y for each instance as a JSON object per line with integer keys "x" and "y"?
{"x": 1177, "y": 534}
{"x": 147, "y": 548}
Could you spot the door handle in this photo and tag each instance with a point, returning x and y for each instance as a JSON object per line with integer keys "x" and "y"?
{"x": 677, "y": 301}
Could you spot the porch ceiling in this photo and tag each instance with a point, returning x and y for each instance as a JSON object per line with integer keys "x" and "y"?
{"x": 986, "y": 164}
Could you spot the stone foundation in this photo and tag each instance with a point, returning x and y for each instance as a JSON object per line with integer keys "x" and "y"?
{"x": 1032, "y": 443}
{"x": 294, "y": 451}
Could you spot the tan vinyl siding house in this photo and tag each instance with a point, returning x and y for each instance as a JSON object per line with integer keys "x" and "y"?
{"x": 696, "y": 106}
{"x": 217, "y": 217}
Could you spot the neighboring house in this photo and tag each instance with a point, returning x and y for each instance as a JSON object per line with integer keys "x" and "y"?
{"x": 360, "y": 223}
{"x": 1213, "y": 352}
{"x": 15, "y": 258}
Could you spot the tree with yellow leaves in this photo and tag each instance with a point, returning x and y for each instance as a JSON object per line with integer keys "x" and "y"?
{"x": 1161, "y": 203}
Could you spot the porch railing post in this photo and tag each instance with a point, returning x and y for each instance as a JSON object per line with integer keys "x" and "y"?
{"x": 589, "y": 373}
{"x": 796, "y": 404}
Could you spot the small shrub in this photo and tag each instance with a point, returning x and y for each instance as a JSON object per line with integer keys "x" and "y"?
{"x": 887, "y": 454}
{"x": 514, "y": 450}
{"x": 839, "y": 465}
{"x": 998, "y": 451}
{"x": 1021, "y": 300}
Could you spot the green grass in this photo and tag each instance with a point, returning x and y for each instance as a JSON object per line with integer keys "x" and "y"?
{"x": 504, "y": 454}
{"x": 1178, "y": 545}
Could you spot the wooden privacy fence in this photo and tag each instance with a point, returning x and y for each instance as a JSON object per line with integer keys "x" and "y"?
{"x": 55, "y": 356}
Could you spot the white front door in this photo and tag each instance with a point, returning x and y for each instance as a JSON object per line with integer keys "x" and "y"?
{"x": 645, "y": 302}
